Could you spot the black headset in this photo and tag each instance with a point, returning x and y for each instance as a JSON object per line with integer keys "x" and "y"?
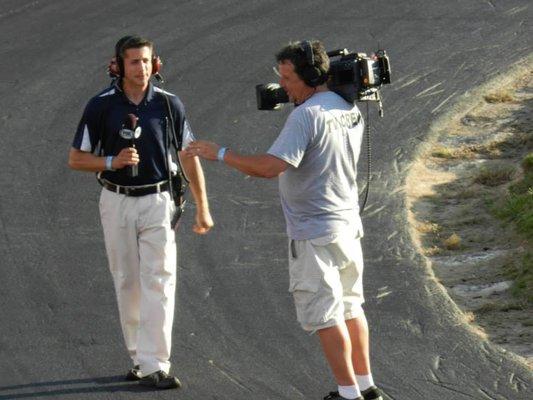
{"x": 117, "y": 68}
{"x": 311, "y": 75}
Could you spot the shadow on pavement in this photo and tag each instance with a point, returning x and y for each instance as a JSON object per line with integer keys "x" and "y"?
{"x": 112, "y": 384}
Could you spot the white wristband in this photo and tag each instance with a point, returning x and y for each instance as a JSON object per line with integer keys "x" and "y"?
{"x": 109, "y": 163}
{"x": 221, "y": 153}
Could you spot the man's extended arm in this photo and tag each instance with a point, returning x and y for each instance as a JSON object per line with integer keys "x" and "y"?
{"x": 259, "y": 165}
{"x": 193, "y": 171}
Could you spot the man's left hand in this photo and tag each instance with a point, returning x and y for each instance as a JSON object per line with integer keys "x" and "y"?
{"x": 204, "y": 149}
{"x": 204, "y": 222}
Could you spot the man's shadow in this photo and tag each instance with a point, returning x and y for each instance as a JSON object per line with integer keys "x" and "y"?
{"x": 105, "y": 384}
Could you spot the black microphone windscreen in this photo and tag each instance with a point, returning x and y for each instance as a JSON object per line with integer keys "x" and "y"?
{"x": 131, "y": 121}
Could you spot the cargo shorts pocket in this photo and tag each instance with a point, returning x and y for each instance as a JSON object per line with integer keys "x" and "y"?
{"x": 304, "y": 283}
{"x": 302, "y": 274}
{"x": 305, "y": 295}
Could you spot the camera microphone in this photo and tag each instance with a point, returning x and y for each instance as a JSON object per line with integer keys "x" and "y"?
{"x": 130, "y": 131}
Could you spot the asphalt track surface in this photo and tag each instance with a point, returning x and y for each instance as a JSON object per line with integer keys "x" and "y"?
{"x": 235, "y": 335}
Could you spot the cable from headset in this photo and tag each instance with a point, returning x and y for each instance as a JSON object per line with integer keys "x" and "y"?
{"x": 180, "y": 205}
{"x": 168, "y": 141}
{"x": 369, "y": 159}
{"x": 176, "y": 142}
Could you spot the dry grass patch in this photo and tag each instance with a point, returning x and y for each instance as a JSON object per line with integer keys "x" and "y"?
{"x": 453, "y": 242}
{"x": 432, "y": 251}
{"x": 470, "y": 319}
{"x": 486, "y": 308}
{"x": 467, "y": 193}
{"x": 495, "y": 174}
{"x": 512, "y": 307}
{"x": 511, "y": 143}
{"x": 496, "y": 306}
{"x": 462, "y": 152}
{"x": 470, "y": 220}
{"x": 493, "y": 149}
{"x": 501, "y": 96}
{"x": 427, "y": 227}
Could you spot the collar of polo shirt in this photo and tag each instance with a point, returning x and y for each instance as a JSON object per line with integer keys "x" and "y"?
{"x": 149, "y": 95}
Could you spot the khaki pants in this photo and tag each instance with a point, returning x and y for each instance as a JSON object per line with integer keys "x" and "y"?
{"x": 326, "y": 280}
{"x": 141, "y": 250}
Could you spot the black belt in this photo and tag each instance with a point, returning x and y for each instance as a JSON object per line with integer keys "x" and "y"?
{"x": 136, "y": 191}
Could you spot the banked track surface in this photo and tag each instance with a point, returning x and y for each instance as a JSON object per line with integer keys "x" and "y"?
{"x": 235, "y": 335}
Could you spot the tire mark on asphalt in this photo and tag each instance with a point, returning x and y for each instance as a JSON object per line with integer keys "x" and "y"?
{"x": 491, "y": 4}
{"x": 486, "y": 394}
{"x": 452, "y": 389}
{"x": 427, "y": 92}
{"x": 516, "y": 10}
{"x": 19, "y": 10}
{"x": 442, "y": 103}
{"x": 229, "y": 377}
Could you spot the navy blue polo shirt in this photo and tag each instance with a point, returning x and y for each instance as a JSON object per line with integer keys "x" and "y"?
{"x": 106, "y": 114}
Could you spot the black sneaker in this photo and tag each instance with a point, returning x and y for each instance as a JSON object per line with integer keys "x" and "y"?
{"x": 134, "y": 374}
{"x": 372, "y": 393}
{"x": 160, "y": 380}
{"x": 337, "y": 396}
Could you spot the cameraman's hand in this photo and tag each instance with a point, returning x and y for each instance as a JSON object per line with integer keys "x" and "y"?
{"x": 203, "y": 222}
{"x": 203, "y": 149}
{"x": 127, "y": 156}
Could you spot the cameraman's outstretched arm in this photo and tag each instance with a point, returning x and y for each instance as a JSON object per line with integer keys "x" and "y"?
{"x": 259, "y": 165}
{"x": 194, "y": 173}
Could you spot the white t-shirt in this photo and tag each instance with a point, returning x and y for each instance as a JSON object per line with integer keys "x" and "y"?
{"x": 321, "y": 141}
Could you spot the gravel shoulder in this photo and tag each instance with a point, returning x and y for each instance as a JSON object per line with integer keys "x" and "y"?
{"x": 454, "y": 187}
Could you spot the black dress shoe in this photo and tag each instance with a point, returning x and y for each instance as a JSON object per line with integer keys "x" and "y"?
{"x": 372, "y": 393}
{"x": 160, "y": 380}
{"x": 134, "y": 374}
{"x": 337, "y": 396}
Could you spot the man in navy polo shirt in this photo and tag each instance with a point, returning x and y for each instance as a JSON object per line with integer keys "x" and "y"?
{"x": 136, "y": 211}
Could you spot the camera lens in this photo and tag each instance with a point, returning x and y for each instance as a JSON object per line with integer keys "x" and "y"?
{"x": 270, "y": 96}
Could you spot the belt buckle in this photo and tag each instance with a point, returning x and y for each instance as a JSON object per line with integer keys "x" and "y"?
{"x": 127, "y": 190}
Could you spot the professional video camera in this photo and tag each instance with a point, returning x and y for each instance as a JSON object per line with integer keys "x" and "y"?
{"x": 353, "y": 76}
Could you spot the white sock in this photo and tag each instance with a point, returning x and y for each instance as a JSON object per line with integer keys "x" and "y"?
{"x": 364, "y": 381}
{"x": 349, "y": 392}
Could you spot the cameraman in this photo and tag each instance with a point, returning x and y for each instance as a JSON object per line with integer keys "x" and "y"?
{"x": 136, "y": 211}
{"x": 315, "y": 158}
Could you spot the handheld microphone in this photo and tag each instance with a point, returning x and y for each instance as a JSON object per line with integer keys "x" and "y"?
{"x": 130, "y": 131}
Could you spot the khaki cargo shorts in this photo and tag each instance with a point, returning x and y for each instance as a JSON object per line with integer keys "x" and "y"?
{"x": 326, "y": 280}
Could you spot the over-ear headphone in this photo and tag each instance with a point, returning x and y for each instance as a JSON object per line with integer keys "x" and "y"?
{"x": 311, "y": 75}
{"x": 116, "y": 66}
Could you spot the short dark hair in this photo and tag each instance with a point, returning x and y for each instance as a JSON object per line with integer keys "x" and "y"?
{"x": 295, "y": 53}
{"x": 131, "y": 42}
